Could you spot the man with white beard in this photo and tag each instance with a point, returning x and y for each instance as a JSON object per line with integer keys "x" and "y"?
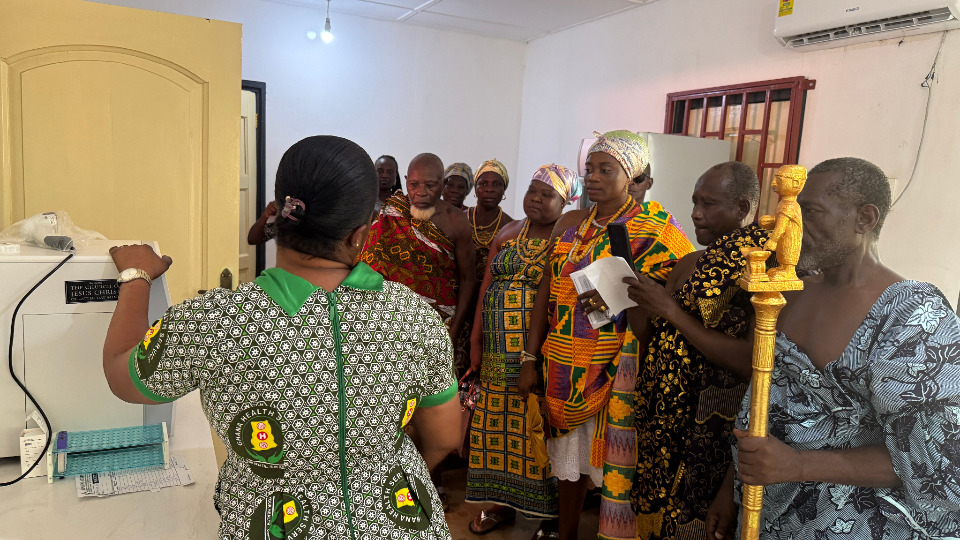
{"x": 425, "y": 243}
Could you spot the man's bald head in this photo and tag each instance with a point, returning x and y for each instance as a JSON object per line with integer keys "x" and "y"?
{"x": 742, "y": 184}
{"x": 426, "y": 163}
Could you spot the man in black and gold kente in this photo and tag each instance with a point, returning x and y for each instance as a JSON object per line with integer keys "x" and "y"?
{"x": 697, "y": 364}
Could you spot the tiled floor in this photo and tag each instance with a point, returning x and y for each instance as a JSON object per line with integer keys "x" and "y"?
{"x": 462, "y": 513}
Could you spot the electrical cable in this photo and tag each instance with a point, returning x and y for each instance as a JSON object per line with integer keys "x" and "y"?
{"x": 928, "y": 84}
{"x": 46, "y": 421}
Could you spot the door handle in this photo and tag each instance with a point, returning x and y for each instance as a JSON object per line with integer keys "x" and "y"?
{"x": 226, "y": 280}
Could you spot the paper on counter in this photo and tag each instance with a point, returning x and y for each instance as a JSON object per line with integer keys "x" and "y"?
{"x": 606, "y": 276}
{"x": 120, "y": 482}
{"x": 32, "y": 442}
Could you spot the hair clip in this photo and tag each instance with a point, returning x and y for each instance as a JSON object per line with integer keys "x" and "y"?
{"x": 290, "y": 206}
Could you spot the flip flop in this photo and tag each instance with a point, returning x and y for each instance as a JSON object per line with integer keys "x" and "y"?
{"x": 494, "y": 519}
{"x": 549, "y": 533}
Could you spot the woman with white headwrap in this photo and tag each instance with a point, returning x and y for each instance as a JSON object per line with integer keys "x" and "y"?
{"x": 589, "y": 373}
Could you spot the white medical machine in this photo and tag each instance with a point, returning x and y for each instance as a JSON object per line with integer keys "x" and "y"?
{"x": 58, "y": 342}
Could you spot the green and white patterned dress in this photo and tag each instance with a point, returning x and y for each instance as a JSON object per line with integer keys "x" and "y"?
{"x": 310, "y": 390}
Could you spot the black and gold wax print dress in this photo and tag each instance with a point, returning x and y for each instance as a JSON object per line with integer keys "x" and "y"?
{"x": 310, "y": 390}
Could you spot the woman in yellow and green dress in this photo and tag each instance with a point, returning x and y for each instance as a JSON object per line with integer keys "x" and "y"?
{"x": 501, "y": 469}
{"x": 310, "y": 373}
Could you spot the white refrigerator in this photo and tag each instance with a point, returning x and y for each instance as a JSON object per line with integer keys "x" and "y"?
{"x": 676, "y": 162}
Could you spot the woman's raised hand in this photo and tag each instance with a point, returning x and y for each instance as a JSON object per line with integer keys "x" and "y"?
{"x": 140, "y": 256}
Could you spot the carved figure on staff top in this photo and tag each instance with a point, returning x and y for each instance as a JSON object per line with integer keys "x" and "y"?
{"x": 787, "y": 225}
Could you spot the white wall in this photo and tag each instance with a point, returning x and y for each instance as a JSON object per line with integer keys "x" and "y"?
{"x": 391, "y": 88}
{"x": 402, "y": 89}
{"x": 615, "y": 73}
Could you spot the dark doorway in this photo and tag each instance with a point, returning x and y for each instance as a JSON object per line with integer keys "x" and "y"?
{"x": 260, "y": 89}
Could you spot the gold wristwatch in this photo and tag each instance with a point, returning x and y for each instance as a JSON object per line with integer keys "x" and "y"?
{"x": 131, "y": 274}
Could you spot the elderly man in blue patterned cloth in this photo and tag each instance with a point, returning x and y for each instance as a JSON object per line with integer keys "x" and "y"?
{"x": 865, "y": 396}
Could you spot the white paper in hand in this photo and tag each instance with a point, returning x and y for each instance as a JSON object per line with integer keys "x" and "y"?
{"x": 583, "y": 284}
{"x": 606, "y": 276}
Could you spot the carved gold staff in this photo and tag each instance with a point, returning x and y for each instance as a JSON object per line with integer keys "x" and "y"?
{"x": 767, "y": 300}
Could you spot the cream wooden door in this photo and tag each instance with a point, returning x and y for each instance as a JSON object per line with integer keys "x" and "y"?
{"x": 127, "y": 120}
{"x": 248, "y": 184}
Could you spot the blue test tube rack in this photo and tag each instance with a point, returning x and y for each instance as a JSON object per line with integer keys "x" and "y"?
{"x": 105, "y": 450}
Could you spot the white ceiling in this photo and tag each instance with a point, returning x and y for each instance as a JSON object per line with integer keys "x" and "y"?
{"x": 520, "y": 20}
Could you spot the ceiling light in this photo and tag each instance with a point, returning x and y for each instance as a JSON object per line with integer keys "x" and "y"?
{"x": 327, "y": 35}
{"x": 311, "y": 35}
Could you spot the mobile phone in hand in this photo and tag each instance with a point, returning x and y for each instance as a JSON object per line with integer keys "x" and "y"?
{"x": 620, "y": 242}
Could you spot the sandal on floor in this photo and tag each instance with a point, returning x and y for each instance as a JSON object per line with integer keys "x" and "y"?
{"x": 548, "y": 529}
{"x": 486, "y": 522}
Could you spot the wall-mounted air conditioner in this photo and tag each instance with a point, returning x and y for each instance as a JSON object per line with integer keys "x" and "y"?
{"x": 818, "y": 24}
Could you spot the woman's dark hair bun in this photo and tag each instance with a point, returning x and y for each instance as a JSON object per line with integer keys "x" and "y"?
{"x": 326, "y": 187}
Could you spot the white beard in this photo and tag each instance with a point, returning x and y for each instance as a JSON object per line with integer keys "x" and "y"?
{"x": 423, "y": 214}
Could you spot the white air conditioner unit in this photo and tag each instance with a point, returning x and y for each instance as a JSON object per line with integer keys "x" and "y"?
{"x": 820, "y": 24}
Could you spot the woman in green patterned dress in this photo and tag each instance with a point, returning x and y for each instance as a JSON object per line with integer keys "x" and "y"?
{"x": 501, "y": 469}
{"x": 309, "y": 373}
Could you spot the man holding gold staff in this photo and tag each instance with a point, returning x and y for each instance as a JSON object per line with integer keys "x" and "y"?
{"x": 694, "y": 371}
{"x": 864, "y": 419}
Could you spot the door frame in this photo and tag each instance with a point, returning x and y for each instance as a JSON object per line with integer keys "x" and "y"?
{"x": 260, "y": 90}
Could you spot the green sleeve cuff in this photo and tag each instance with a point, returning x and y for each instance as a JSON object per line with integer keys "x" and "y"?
{"x": 139, "y": 384}
{"x": 441, "y": 398}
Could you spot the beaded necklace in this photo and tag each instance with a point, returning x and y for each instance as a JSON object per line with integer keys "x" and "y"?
{"x": 478, "y": 228}
{"x": 590, "y": 223}
{"x": 535, "y": 255}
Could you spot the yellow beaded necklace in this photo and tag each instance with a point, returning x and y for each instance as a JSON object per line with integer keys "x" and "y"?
{"x": 478, "y": 228}
{"x": 578, "y": 252}
{"x": 535, "y": 255}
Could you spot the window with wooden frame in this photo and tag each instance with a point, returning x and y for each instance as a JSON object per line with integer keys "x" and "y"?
{"x": 762, "y": 120}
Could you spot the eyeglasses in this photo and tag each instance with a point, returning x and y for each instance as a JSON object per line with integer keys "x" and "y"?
{"x": 641, "y": 179}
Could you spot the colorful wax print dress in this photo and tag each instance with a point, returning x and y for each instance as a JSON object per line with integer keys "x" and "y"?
{"x": 897, "y": 384}
{"x": 592, "y": 373}
{"x": 413, "y": 252}
{"x": 502, "y": 469}
{"x": 482, "y": 238}
{"x": 310, "y": 390}
{"x": 685, "y": 406}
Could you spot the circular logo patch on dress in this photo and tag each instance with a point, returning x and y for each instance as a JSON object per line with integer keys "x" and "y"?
{"x": 281, "y": 516}
{"x": 408, "y": 406}
{"x": 150, "y": 350}
{"x": 405, "y": 505}
{"x": 257, "y": 437}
